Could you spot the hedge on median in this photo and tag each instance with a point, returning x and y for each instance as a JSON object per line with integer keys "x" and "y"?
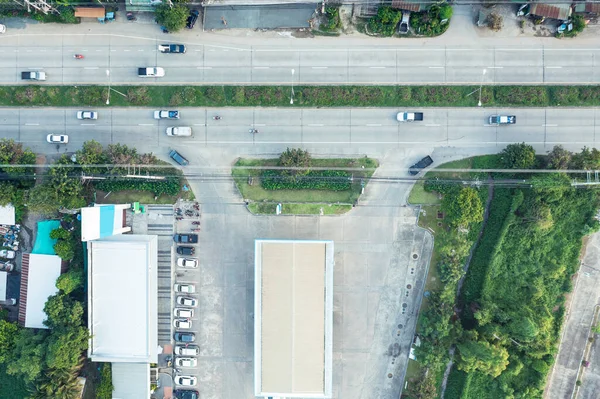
{"x": 305, "y": 96}
{"x": 335, "y": 180}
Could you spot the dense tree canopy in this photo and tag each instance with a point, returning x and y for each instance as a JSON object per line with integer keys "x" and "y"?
{"x": 171, "y": 17}
{"x": 518, "y": 156}
{"x": 482, "y": 356}
{"x": 464, "y": 209}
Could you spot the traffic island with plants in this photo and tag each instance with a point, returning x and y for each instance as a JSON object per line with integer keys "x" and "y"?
{"x": 504, "y": 325}
{"x": 301, "y": 184}
{"x": 305, "y": 96}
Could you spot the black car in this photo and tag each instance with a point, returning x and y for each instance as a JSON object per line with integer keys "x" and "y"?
{"x": 182, "y": 250}
{"x": 186, "y": 394}
{"x": 422, "y": 164}
{"x": 184, "y": 337}
{"x": 191, "y": 21}
{"x": 186, "y": 238}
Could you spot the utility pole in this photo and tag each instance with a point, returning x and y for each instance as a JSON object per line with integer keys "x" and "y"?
{"x": 39, "y": 5}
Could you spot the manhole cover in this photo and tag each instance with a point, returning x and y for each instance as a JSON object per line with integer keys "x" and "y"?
{"x": 404, "y": 305}
{"x": 390, "y": 375}
{"x": 415, "y": 256}
{"x": 400, "y": 326}
{"x": 409, "y": 286}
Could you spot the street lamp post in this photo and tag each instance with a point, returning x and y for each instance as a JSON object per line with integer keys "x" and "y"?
{"x": 481, "y": 86}
{"x": 292, "y": 95}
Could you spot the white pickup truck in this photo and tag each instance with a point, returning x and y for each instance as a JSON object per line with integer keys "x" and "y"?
{"x": 33, "y": 75}
{"x": 409, "y": 116}
{"x": 155, "y": 72}
{"x": 184, "y": 131}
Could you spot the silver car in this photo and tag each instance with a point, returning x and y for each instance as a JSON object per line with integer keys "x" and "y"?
{"x": 186, "y": 380}
{"x": 184, "y": 313}
{"x": 186, "y": 362}
{"x": 187, "y": 301}
{"x": 87, "y": 115}
{"x": 57, "y": 139}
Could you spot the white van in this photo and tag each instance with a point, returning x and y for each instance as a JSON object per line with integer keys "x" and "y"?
{"x": 187, "y": 350}
{"x": 183, "y": 131}
{"x": 184, "y": 313}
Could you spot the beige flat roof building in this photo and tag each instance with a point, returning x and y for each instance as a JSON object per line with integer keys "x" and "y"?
{"x": 293, "y": 318}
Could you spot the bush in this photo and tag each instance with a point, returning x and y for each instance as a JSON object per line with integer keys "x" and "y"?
{"x": 105, "y": 389}
{"x": 335, "y": 180}
{"x": 564, "y": 95}
{"x": 429, "y": 23}
{"x": 60, "y": 234}
{"x": 334, "y": 23}
{"x": 385, "y": 22}
{"x": 171, "y": 17}
{"x": 170, "y": 186}
{"x": 521, "y": 95}
{"x": 494, "y": 21}
{"x": 64, "y": 249}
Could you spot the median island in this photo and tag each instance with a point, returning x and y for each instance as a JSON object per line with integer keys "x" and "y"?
{"x": 297, "y": 184}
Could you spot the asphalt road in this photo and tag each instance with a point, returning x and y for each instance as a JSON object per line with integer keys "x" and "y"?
{"x": 349, "y": 128}
{"x": 244, "y": 64}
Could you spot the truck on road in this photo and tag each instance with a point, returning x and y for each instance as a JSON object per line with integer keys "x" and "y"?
{"x": 155, "y": 72}
{"x": 502, "y": 120}
{"x": 422, "y": 164}
{"x": 33, "y": 75}
{"x": 409, "y": 116}
{"x": 184, "y": 131}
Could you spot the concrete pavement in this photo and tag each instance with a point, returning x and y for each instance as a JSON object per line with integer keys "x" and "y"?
{"x": 354, "y": 130}
{"x": 561, "y": 383}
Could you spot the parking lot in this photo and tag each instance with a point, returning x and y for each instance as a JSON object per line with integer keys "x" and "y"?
{"x": 380, "y": 262}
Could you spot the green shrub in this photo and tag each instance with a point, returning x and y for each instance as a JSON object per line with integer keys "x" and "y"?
{"x": 170, "y": 186}
{"x": 429, "y": 23}
{"x": 521, "y": 95}
{"x": 564, "y": 95}
{"x": 105, "y": 389}
{"x": 60, "y": 234}
{"x": 385, "y": 22}
{"x": 335, "y": 180}
{"x": 64, "y": 249}
{"x": 138, "y": 95}
{"x": 589, "y": 94}
{"x": 334, "y": 23}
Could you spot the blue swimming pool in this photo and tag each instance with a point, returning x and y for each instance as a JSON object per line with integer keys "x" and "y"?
{"x": 44, "y": 245}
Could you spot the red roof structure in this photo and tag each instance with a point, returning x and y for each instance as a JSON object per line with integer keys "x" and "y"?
{"x": 407, "y": 5}
{"x": 555, "y": 11}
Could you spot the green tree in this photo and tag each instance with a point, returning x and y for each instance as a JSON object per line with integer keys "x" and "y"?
{"x": 60, "y": 234}
{"x": 13, "y": 153}
{"x": 518, "y": 156}
{"x": 65, "y": 347}
{"x": 7, "y": 193}
{"x": 63, "y": 311}
{"x": 587, "y": 159}
{"x": 171, "y": 17}
{"x": 385, "y": 22}
{"x": 91, "y": 155}
{"x": 8, "y": 336}
{"x": 425, "y": 387}
{"x": 67, "y": 182}
{"x": 29, "y": 354}
{"x": 483, "y": 357}
{"x": 295, "y": 158}
{"x": 559, "y": 158}
{"x": 70, "y": 281}
{"x": 64, "y": 249}
{"x": 464, "y": 209}
{"x": 42, "y": 198}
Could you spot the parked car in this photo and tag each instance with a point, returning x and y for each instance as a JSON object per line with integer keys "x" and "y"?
{"x": 187, "y": 301}
{"x": 502, "y": 120}
{"x": 7, "y": 253}
{"x": 191, "y": 21}
{"x": 184, "y": 324}
{"x": 57, "y": 138}
{"x": 185, "y": 238}
{"x": 186, "y": 394}
{"x": 184, "y": 337}
{"x": 2, "y": 28}
{"x": 183, "y": 250}
{"x": 166, "y": 114}
{"x": 183, "y": 313}
{"x": 171, "y": 48}
{"x": 422, "y": 164}
{"x": 177, "y": 157}
{"x": 190, "y": 263}
{"x": 182, "y": 131}
{"x": 185, "y": 380}
{"x": 87, "y": 115}
{"x": 185, "y": 288}
{"x": 187, "y": 350}
{"x": 154, "y": 72}
{"x": 186, "y": 362}
{"x": 404, "y": 24}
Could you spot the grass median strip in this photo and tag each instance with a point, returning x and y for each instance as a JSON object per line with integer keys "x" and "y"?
{"x": 268, "y": 208}
{"x": 305, "y": 96}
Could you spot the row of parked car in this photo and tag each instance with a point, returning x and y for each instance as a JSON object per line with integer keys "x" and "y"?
{"x": 185, "y": 350}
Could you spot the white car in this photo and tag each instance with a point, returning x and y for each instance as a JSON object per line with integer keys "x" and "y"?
{"x": 182, "y": 323}
{"x": 57, "y": 139}
{"x": 186, "y": 362}
{"x": 185, "y": 380}
{"x": 187, "y": 350}
{"x": 184, "y": 313}
{"x": 166, "y": 114}
{"x": 7, "y": 253}
{"x": 187, "y": 301}
{"x": 187, "y": 288}
{"x": 87, "y": 115}
{"x": 2, "y": 28}
{"x": 191, "y": 263}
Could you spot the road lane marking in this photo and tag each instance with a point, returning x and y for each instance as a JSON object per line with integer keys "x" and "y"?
{"x": 140, "y": 50}
{"x": 554, "y": 67}
{"x": 32, "y": 124}
{"x": 199, "y": 124}
{"x": 432, "y": 124}
{"x": 91, "y": 67}
{"x": 315, "y": 124}
{"x": 88, "y": 124}
{"x": 437, "y": 67}
{"x": 261, "y": 67}
{"x": 203, "y": 67}
{"x": 319, "y": 67}
{"x": 549, "y": 125}
{"x": 373, "y": 124}
{"x": 258, "y": 124}
{"x": 495, "y": 67}
{"x": 377, "y": 67}
{"x": 145, "y": 124}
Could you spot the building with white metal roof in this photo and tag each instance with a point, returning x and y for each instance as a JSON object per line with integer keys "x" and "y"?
{"x": 293, "y": 322}
{"x": 122, "y": 299}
